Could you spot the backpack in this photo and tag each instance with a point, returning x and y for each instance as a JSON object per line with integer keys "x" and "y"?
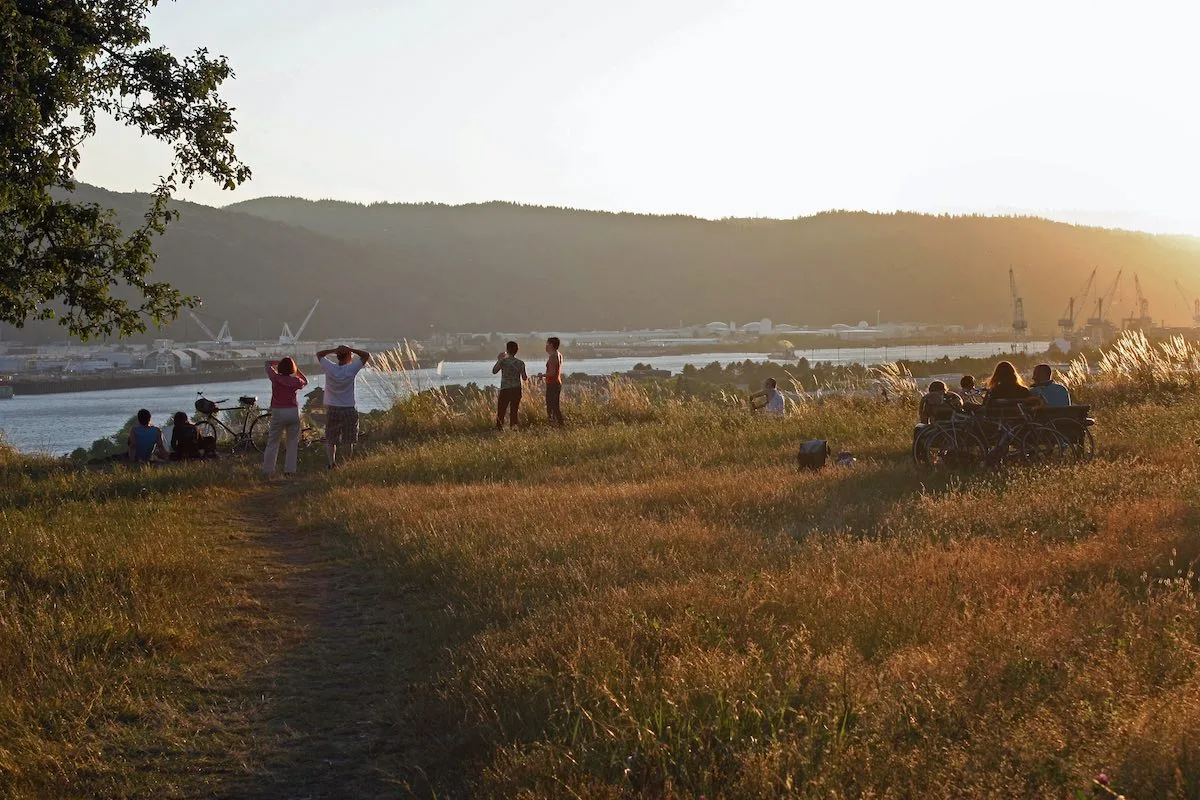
{"x": 813, "y": 454}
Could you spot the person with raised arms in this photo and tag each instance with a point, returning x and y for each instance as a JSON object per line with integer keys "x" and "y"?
{"x": 341, "y": 411}
{"x": 512, "y": 375}
{"x": 286, "y": 379}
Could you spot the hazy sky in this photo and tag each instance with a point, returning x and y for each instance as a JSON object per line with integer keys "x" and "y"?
{"x": 708, "y": 107}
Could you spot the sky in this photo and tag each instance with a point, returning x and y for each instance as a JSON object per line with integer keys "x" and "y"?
{"x": 1084, "y": 111}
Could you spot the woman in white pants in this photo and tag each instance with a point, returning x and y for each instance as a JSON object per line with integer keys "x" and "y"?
{"x": 286, "y": 381}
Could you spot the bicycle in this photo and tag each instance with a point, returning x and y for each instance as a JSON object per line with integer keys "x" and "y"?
{"x": 991, "y": 440}
{"x": 253, "y": 432}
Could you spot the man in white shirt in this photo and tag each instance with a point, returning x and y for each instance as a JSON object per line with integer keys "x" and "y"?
{"x": 774, "y": 404}
{"x": 341, "y": 416}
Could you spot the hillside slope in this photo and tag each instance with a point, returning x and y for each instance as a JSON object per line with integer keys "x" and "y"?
{"x": 521, "y": 267}
{"x": 392, "y": 270}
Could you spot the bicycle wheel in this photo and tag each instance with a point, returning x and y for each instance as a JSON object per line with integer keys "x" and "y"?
{"x": 953, "y": 448}
{"x": 258, "y": 431}
{"x": 222, "y": 436}
{"x": 1041, "y": 444}
{"x": 918, "y": 445}
{"x": 1083, "y": 446}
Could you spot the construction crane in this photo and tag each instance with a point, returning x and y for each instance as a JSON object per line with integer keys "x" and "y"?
{"x": 1194, "y": 304}
{"x": 222, "y": 336}
{"x": 1076, "y": 301}
{"x": 1141, "y": 316}
{"x": 1019, "y": 325}
{"x": 1105, "y": 300}
{"x": 287, "y": 337}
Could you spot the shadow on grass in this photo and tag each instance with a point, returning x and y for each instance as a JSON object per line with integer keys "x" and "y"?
{"x": 344, "y": 703}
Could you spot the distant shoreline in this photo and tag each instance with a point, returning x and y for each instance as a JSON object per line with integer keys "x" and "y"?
{"x": 24, "y": 386}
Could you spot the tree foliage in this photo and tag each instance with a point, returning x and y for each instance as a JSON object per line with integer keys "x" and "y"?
{"x": 65, "y": 64}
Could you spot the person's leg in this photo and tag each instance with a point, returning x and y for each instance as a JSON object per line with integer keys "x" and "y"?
{"x": 501, "y": 407}
{"x": 293, "y": 441}
{"x": 349, "y": 434}
{"x": 514, "y": 407}
{"x": 332, "y": 434}
{"x": 554, "y": 403}
{"x": 271, "y": 454}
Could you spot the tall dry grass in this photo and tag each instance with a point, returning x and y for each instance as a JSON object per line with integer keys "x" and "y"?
{"x": 120, "y": 595}
{"x": 669, "y": 609}
{"x": 1134, "y": 369}
{"x": 651, "y": 602}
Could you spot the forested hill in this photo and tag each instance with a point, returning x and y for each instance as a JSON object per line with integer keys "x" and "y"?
{"x": 390, "y": 270}
{"x": 508, "y": 266}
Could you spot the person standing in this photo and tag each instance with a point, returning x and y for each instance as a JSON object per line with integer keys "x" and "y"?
{"x": 286, "y": 379}
{"x": 341, "y": 413}
{"x": 512, "y": 373}
{"x": 554, "y": 363}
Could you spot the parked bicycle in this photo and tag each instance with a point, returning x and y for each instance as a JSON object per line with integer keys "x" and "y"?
{"x": 252, "y": 432}
{"x": 992, "y": 438}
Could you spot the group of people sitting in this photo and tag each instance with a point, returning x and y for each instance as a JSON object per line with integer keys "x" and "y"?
{"x": 1005, "y": 385}
{"x": 146, "y": 440}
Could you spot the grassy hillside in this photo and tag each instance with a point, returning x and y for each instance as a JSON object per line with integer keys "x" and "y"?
{"x": 652, "y": 602}
{"x": 517, "y": 267}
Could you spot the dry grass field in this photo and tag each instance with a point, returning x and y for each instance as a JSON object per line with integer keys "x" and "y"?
{"x": 650, "y": 603}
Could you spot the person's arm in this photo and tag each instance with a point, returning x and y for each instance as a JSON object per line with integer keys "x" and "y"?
{"x": 323, "y": 353}
{"x": 132, "y": 446}
{"x": 271, "y": 371}
{"x": 524, "y": 374}
{"x": 363, "y": 354}
{"x": 553, "y": 367}
{"x": 303, "y": 378}
{"x": 160, "y": 447}
{"x": 496, "y": 368}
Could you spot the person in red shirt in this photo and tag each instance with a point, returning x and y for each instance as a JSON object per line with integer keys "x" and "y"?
{"x": 286, "y": 380}
{"x": 554, "y": 362}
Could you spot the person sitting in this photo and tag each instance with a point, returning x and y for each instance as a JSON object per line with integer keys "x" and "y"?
{"x": 1052, "y": 393}
{"x": 938, "y": 403}
{"x": 185, "y": 439}
{"x": 1005, "y": 384}
{"x": 968, "y": 392}
{"x": 774, "y": 404}
{"x": 145, "y": 440}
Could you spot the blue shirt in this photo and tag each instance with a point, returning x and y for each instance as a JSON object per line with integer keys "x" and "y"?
{"x": 144, "y": 440}
{"x": 1054, "y": 395}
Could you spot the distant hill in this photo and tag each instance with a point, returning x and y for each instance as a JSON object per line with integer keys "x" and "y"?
{"x": 392, "y": 270}
{"x": 521, "y": 267}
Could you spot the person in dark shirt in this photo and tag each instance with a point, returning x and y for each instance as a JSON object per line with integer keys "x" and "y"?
{"x": 1006, "y": 384}
{"x": 185, "y": 440}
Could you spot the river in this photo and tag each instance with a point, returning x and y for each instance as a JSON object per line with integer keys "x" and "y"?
{"x": 59, "y": 423}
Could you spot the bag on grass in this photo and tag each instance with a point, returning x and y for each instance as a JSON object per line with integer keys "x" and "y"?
{"x": 813, "y": 454}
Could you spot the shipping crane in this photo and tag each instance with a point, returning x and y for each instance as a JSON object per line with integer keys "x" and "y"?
{"x": 1076, "y": 301}
{"x": 1140, "y": 319}
{"x": 1019, "y": 325}
{"x": 287, "y": 337}
{"x": 1104, "y": 300}
{"x": 222, "y": 336}
{"x": 1194, "y": 304}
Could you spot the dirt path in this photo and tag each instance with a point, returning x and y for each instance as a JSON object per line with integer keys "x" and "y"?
{"x": 342, "y": 678}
